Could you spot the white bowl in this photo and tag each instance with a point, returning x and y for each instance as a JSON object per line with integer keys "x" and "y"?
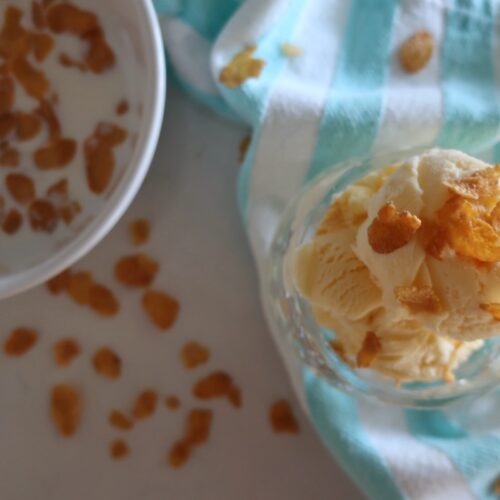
{"x": 138, "y": 19}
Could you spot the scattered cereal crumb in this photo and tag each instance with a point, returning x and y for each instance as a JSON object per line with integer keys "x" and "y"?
{"x": 66, "y": 409}
{"x": 119, "y": 449}
{"x": 107, "y": 363}
{"x": 418, "y": 299}
{"x": 65, "y": 351}
{"x": 216, "y": 385}
{"x": 369, "y": 350}
{"x": 57, "y": 153}
{"x": 136, "y": 270}
{"x": 79, "y": 286}
{"x": 197, "y": 431}
{"x": 242, "y": 67}
{"x": 139, "y": 231}
{"x": 161, "y": 308}
{"x": 290, "y": 50}
{"x": 416, "y": 51}
{"x": 194, "y": 354}
{"x": 172, "y": 402}
{"x": 120, "y": 421}
{"x": 282, "y": 418}
{"x": 145, "y": 404}
{"x": 244, "y": 144}
{"x": 59, "y": 283}
{"x": 103, "y": 301}
{"x": 199, "y": 422}
{"x": 391, "y": 229}
{"x": 20, "y": 341}
{"x": 122, "y": 107}
{"x": 179, "y": 453}
{"x": 28, "y": 125}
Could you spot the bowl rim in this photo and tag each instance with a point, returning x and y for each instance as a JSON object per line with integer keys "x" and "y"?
{"x": 128, "y": 185}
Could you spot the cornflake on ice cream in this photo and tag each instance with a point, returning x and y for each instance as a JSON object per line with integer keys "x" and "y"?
{"x": 404, "y": 267}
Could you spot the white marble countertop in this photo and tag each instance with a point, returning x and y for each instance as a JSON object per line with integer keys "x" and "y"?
{"x": 189, "y": 196}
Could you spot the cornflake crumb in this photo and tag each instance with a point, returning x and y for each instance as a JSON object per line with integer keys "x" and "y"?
{"x": 66, "y": 409}
{"x": 139, "y": 231}
{"x": 65, "y": 351}
{"x": 122, "y": 107}
{"x": 145, "y": 404}
{"x": 197, "y": 431}
{"x": 391, "y": 229}
{"x": 418, "y": 299}
{"x": 136, "y": 270}
{"x": 290, "y": 50}
{"x": 217, "y": 385}
{"x": 120, "y": 421}
{"x": 242, "y": 67}
{"x": 107, "y": 363}
{"x": 369, "y": 350}
{"x": 172, "y": 402}
{"x": 161, "y": 308}
{"x": 194, "y": 354}
{"x": 59, "y": 283}
{"x": 243, "y": 147}
{"x": 20, "y": 341}
{"x": 416, "y": 51}
{"x": 119, "y": 449}
{"x": 282, "y": 418}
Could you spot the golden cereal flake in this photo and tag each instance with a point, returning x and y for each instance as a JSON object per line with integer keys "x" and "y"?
{"x": 369, "y": 350}
{"x": 416, "y": 51}
{"x": 282, "y": 418}
{"x": 392, "y": 229}
{"x": 418, "y": 299}
{"x": 66, "y": 409}
{"x": 242, "y": 67}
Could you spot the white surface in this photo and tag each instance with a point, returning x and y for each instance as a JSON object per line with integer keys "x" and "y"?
{"x": 189, "y": 196}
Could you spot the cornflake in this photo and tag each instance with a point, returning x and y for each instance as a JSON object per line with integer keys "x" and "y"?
{"x": 21, "y": 187}
{"x": 392, "y": 229}
{"x": 139, "y": 231}
{"x": 79, "y": 286}
{"x": 145, "y": 404}
{"x": 136, "y": 270}
{"x": 66, "y": 409}
{"x": 122, "y": 107}
{"x": 468, "y": 234}
{"x": 119, "y": 449}
{"x": 27, "y": 125}
{"x": 369, "y": 350}
{"x": 493, "y": 309}
{"x": 194, "y": 354}
{"x": 197, "y": 431}
{"x": 243, "y": 148}
{"x": 102, "y": 300}
{"x": 217, "y": 385}
{"x": 107, "y": 363}
{"x": 59, "y": 283}
{"x": 282, "y": 418}
{"x": 480, "y": 184}
{"x": 172, "y": 402}
{"x": 43, "y": 216}
{"x": 161, "y": 308}
{"x": 242, "y": 67}
{"x": 120, "y": 421}
{"x": 416, "y": 51}
{"x": 290, "y": 50}
{"x": 12, "y": 222}
{"x": 65, "y": 351}
{"x": 418, "y": 299}
{"x": 20, "y": 341}
{"x": 433, "y": 238}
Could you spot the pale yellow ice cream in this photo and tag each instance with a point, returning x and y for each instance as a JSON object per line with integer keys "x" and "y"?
{"x": 410, "y": 254}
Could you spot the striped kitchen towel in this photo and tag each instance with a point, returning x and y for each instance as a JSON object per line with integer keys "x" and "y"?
{"x": 344, "y": 96}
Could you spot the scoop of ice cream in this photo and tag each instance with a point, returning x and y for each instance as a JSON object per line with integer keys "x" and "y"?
{"x": 409, "y": 255}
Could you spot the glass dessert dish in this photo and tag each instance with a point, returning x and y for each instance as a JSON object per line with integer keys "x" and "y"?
{"x": 292, "y": 315}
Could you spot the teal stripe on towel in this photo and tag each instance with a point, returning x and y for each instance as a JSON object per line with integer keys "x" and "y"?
{"x": 471, "y": 111}
{"x": 251, "y": 100}
{"x": 476, "y": 456}
{"x": 352, "y": 113}
{"x": 335, "y": 417}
